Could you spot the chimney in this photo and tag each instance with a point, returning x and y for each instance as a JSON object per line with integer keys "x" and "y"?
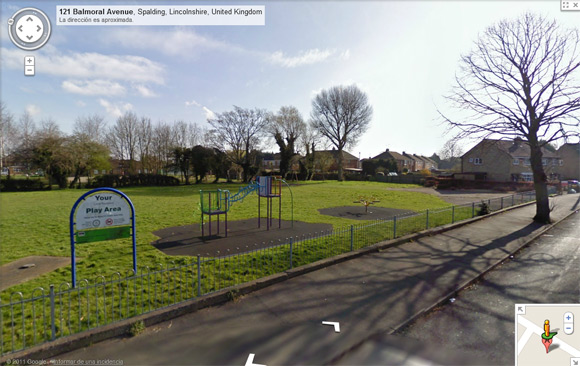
{"x": 387, "y": 149}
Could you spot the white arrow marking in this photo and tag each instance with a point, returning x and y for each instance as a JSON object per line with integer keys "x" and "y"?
{"x": 250, "y": 361}
{"x": 336, "y": 326}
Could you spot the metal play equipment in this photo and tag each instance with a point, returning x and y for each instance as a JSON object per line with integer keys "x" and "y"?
{"x": 214, "y": 203}
{"x": 270, "y": 188}
{"x": 218, "y": 202}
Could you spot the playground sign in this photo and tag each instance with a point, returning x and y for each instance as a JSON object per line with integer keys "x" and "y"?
{"x": 104, "y": 209}
{"x": 101, "y": 214}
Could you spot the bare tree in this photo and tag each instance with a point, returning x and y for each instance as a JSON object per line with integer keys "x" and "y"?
{"x": 7, "y": 134}
{"x": 309, "y": 141}
{"x": 123, "y": 139}
{"x": 239, "y": 131}
{"x": 450, "y": 156}
{"x": 286, "y": 126}
{"x": 94, "y": 126}
{"x": 145, "y": 143}
{"x": 162, "y": 145}
{"x": 26, "y": 134}
{"x": 49, "y": 128}
{"x": 180, "y": 130}
{"x": 341, "y": 114}
{"x": 518, "y": 82}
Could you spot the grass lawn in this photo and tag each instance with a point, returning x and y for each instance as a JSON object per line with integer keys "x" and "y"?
{"x": 37, "y": 223}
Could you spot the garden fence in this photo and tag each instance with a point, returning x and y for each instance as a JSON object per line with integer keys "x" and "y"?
{"x": 57, "y": 311}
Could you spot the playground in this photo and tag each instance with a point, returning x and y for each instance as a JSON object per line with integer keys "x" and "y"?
{"x": 169, "y": 225}
{"x": 243, "y": 236}
{"x": 215, "y": 236}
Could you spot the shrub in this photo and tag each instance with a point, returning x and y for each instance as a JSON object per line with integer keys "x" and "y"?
{"x": 137, "y": 328}
{"x": 113, "y": 180}
{"x": 483, "y": 208}
{"x": 22, "y": 185}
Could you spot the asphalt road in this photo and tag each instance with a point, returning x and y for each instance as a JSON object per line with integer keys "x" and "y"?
{"x": 480, "y": 323}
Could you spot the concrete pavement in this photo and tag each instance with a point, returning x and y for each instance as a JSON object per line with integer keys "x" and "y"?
{"x": 374, "y": 294}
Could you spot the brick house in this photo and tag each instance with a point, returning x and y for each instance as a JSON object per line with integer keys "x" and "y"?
{"x": 505, "y": 161}
{"x": 430, "y": 163}
{"x": 403, "y": 162}
{"x": 350, "y": 163}
{"x": 271, "y": 161}
{"x": 570, "y": 154}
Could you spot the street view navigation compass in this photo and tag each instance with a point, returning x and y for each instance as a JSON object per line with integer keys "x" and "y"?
{"x": 29, "y": 29}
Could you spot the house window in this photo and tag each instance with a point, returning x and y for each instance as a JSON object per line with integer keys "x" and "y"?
{"x": 96, "y": 172}
{"x": 561, "y": 162}
{"x": 471, "y": 160}
{"x": 527, "y": 161}
{"x": 527, "y": 177}
{"x": 554, "y": 162}
{"x": 516, "y": 161}
{"x": 477, "y": 161}
{"x": 544, "y": 161}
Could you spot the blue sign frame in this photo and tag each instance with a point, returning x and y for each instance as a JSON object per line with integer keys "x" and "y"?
{"x": 72, "y": 228}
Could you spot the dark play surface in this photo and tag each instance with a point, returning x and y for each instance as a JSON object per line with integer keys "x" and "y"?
{"x": 358, "y": 212}
{"x": 243, "y": 236}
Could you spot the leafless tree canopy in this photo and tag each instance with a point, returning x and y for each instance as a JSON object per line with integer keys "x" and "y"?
{"x": 239, "y": 131}
{"x": 94, "y": 126}
{"x": 286, "y": 127}
{"x": 341, "y": 114}
{"x": 519, "y": 81}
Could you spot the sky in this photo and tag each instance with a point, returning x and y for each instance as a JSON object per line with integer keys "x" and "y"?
{"x": 403, "y": 54}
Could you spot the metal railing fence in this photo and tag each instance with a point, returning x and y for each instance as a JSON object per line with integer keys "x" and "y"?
{"x": 48, "y": 314}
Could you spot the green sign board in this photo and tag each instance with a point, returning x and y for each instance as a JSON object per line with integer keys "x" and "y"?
{"x": 111, "y": 233}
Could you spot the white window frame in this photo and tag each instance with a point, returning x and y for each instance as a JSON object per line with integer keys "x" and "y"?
{"x": 561, "y": 162}
{"x": 528, "y": 177}
{"x": 516, "y": 161}
{"x": 477, "y": 161}
{"x": 527, "y": 162}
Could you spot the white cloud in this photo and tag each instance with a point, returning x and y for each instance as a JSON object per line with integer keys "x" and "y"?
{"x": 145, "y": 91}
{"x": 117, "y": 109}
{"x": 33, "y": 110}
{"x": 304, "y": 58}
{"x": 81, "y": 104}
{"x": 192, "y": 103}
{"x": 172, "y": 42}
{"x": 93, "y": 87}
{"x": 208, "y": 113}
{"x": 88, "y": 65}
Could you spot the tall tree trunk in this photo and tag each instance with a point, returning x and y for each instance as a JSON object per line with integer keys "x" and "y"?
{"x": 540, "y": 185}
{"x": 340, "y": 178}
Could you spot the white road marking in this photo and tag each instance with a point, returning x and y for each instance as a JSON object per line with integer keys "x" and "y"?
{"x": 335, "y": 324}
{"x": 250, "y": 361}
